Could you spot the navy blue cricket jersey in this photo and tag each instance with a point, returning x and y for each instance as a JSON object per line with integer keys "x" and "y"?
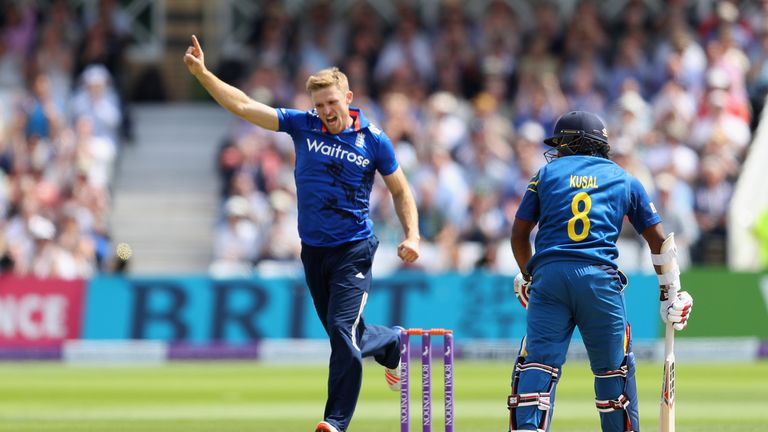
{"x": 579, "y": 203}
{"x": 334, "y": 175}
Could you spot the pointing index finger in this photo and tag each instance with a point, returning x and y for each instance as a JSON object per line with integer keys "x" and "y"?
{"x": 196, "y": 43}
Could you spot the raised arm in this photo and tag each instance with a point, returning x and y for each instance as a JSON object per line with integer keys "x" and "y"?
{"x": 231, "y": 98}
{"x": 405, "y": 206}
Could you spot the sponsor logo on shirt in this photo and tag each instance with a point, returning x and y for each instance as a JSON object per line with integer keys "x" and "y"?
{"x": 335, "y": 151}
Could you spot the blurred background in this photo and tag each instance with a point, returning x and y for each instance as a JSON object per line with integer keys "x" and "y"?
{"x": 134, "y": 209}
{"x": 142, "y": 223}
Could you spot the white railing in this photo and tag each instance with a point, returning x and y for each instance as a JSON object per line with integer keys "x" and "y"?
{"x": 147, "y": 19}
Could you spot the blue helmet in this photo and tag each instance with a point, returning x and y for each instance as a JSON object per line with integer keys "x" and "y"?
{"x": 578, "y": 132}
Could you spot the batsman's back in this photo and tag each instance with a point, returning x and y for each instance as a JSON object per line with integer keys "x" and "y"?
{"x": 582, "y": 202}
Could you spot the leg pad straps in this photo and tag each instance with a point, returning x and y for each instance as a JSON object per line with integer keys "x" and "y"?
{"x": 540, "y": 400}
{"x": 606, "y": 406}
{"x": 614, "y": 404}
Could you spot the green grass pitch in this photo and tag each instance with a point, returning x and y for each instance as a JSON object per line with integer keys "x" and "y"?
{"x": 245, "y": 396}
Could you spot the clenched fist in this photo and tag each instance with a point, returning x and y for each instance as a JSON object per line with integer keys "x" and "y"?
{"x": 408, "y": 250}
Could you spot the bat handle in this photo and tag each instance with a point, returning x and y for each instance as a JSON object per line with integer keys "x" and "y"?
{"x": 669, "y": 339}
{"x": 669, "y": 334}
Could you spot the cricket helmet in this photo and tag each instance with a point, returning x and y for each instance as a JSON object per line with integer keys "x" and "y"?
{"x": 578, "y": 132}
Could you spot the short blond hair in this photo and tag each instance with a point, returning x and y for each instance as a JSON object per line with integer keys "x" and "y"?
{"x": 326, "y": 78}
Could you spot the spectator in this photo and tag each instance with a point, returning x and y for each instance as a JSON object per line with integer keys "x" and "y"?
{"x": 712, "y": 195}
{"x": 237, "y": 241}
{"x": 446, "y": 178}
{"x": 631, "y": 117}
{"x": 446, "y": 128}
{"x": 671, "y": 154}
{"x": 282, "y": 243}
{"x": 679, "y": 58}
{"x": 673, "y": 101}
{"x": 54, "y": 60}
{"x": 407, "y": 53}
{"x": 584, "y": 93}
{"x": 43, "y": 115}
{"x": 718, "y": 118}
{"x": 678, "y": 215}
{"x": 95, "y": 154}
{"x": 98, "y": 100}
{"x": 629, "y": 63}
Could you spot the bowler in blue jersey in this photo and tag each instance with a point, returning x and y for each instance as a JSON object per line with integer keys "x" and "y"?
{"x": 579, "y": 201}
{"x": 338, "y": 152}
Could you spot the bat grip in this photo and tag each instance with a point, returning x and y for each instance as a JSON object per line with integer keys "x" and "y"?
{"x": 669, "y": 333}
{"x": 669, "y": 339}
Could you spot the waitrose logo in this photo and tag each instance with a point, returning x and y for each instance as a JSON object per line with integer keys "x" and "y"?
{"x": 335, "y": 151}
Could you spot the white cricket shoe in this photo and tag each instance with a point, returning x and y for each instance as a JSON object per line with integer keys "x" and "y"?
{"x": 393, "y": 378}
{"x": 393, "y": 375}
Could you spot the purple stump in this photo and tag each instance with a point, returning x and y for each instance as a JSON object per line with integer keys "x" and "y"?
{"x": 404, "y": 381}
{"x": 448, "y": 367}
{"x": 426, "y": 382}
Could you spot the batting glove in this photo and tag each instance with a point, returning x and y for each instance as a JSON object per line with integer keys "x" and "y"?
{"x": 676, "y": 310}
{"x": 523, "y": 288}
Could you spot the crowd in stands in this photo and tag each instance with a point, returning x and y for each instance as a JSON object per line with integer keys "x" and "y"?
{"x": 465, "y": 90}
{"x": 62, "y": 122}
{"x": 467, "y": 96}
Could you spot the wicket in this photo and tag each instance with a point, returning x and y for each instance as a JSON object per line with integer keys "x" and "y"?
{"x": 426, "y": 377}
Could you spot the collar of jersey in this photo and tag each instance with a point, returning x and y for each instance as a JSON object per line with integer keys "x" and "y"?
{"x": 358, "y": 121}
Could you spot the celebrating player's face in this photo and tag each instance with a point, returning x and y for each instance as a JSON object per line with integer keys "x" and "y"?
{"x": 332, "y": 106}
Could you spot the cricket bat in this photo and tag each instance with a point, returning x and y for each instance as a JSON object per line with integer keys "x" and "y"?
{"x": 667, "y": 423}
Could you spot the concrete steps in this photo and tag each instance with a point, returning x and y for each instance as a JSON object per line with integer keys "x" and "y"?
{"x": 166, "y": 187}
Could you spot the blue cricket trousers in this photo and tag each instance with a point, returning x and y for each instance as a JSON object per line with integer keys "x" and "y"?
{"x": 339, "y": 279}
{"x": 565, "y": 294}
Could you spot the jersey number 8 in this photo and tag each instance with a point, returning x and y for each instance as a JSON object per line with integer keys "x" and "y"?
{"x": 579, "y": 215}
